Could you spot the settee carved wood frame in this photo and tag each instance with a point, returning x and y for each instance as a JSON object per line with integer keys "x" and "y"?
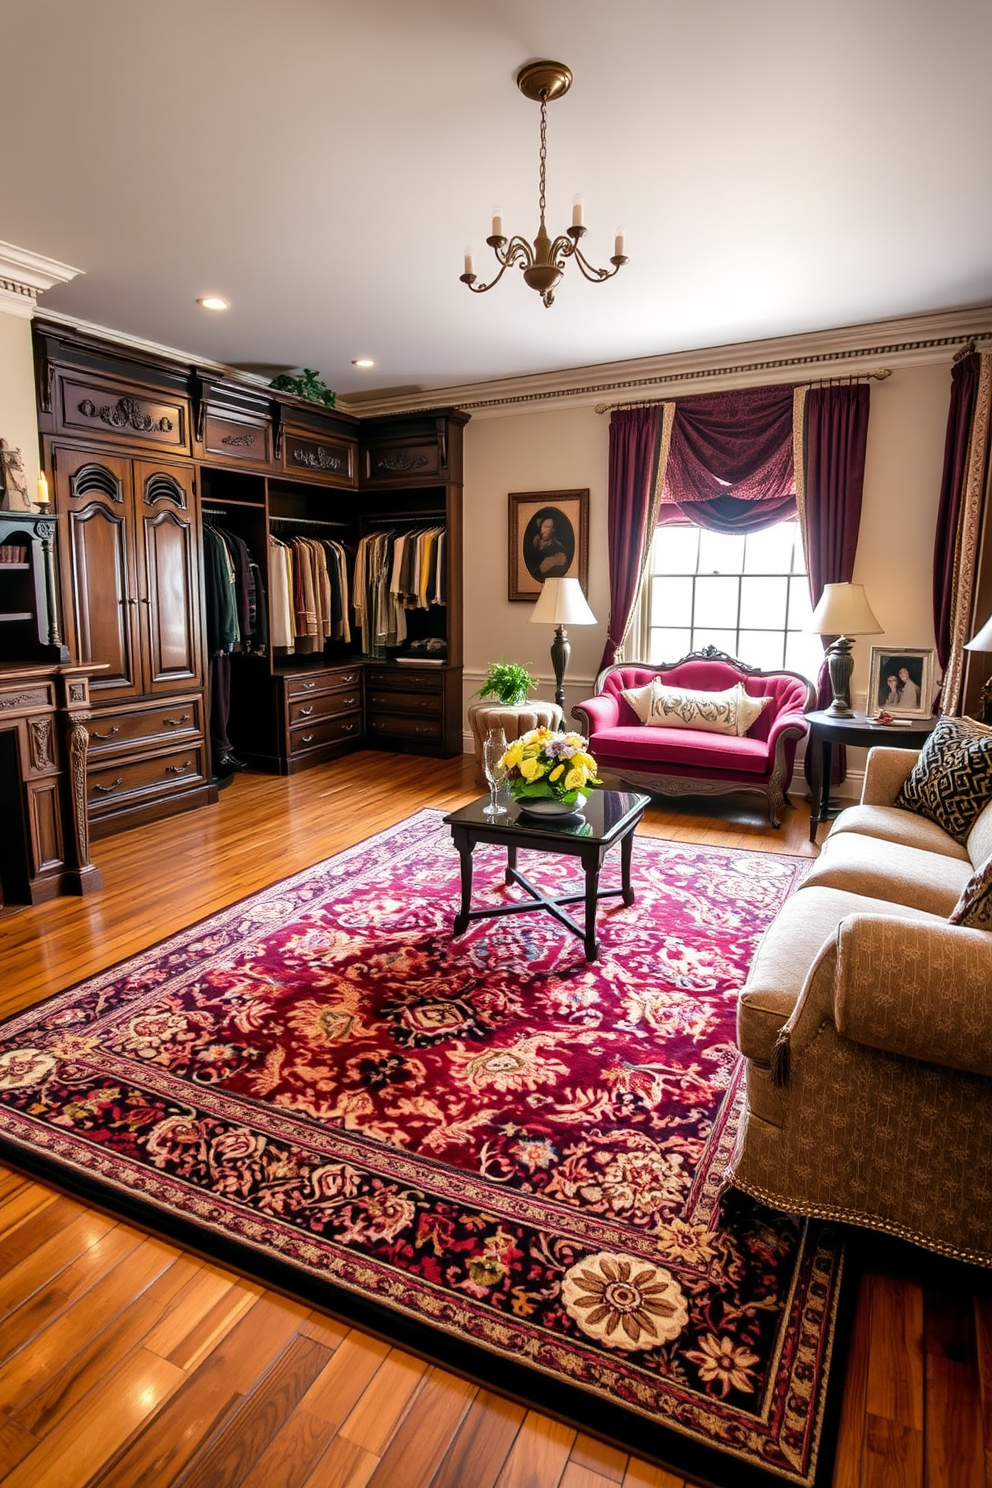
{"x": 774, "y": 788}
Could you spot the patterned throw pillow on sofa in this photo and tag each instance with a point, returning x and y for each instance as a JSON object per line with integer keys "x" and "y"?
{"x": 974, "y": 908}
{"x": 952, "y": 779}
{"x": 731, "y": 711}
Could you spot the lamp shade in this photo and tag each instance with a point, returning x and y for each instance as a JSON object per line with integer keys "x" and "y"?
{"x": 983, "y": 640}
{"x": 844, "y": 610}
{"x": 561, "y": 602}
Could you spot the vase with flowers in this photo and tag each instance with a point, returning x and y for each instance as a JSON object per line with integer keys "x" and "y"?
{"x": 548, "y": 773}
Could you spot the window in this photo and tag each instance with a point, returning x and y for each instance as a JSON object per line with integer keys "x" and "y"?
{"x": 747, "y": 594}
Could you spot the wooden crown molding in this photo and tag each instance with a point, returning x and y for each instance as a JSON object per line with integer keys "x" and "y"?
{"x": 25, "y": 275}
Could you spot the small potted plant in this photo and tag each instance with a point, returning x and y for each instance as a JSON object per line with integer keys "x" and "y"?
{"x": 508, "y": 682}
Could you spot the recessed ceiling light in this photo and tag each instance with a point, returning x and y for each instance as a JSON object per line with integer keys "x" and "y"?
{"x": 213, "y": 302}
{"x": 362, "y": 362}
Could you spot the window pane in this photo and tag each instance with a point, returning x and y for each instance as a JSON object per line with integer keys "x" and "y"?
{"x": 716, "y": 602}
{"x": 803, "y": 654}
{"x": 770, "y": 551}
{"x": 668, "y": 645}
{"x": 761, "y": 648}
{"x": 719, "y": 553}
{"x": 763, "y": 603}
{"x": 674, "y": 550}
{"x": 671, "y": 602}
{"x": 800, "y": 609}
{"x": 723, "y": 640}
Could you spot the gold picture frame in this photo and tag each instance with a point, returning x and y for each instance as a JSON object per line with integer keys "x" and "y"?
{"x": 549, "y": 538}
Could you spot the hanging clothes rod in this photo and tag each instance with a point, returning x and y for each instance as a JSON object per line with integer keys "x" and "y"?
{"x": 407, "y": 519}
{"x": 212, "y": 511}
{"x": 308, "y": 522}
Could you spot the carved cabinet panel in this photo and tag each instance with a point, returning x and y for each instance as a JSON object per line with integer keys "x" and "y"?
{"x": 168, "y": 575}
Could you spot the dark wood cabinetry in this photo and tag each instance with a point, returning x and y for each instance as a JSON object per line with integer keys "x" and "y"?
{"x": 143, "y": 450}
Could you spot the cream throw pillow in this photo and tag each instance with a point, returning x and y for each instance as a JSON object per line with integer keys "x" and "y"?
{"x": 732, "y": 711}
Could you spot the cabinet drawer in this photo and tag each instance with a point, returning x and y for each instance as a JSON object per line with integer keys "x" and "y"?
{"x": 396, "y": 726}
{"x": 405, "y": 679}
{"x": 328, "y": 731}
{"x": 325, "y": 705}
{"x": 402, "y": 461}
{"x": 319, "y": 457}
{"x": 108, "y": 408}
{"x": 237, "y": 439}
{"x": 406, "y": 702}
{"x": 110, "y": 732}
{"x": 152, "y": 775}
{"x": 327, "y": 681}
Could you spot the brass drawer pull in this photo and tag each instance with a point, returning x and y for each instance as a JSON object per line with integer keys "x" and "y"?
{"x": 177, "y": 769}
{"x": 350, "y": 702}
{"x": 309, "y": 686}
{"x": 305, "y": 712}
{"x": 351, "y": 678}
{"x": 97, "y": 735}
{"x": 105, "y": 790}
{"x": 175, "y": 722}
{"x": 306, "y": 738}
{"x": 349, "y": 728}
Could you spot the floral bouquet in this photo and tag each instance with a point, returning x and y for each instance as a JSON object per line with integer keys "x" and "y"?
{"x": 544, "y": 765}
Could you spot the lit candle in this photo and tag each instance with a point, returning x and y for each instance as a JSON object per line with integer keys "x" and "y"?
{"x": 577, "y": 212}
{"x": 43, "y": 496}
{"x": 497, "y": 222}
{"x": 469, "y": 265}
{"x": 618, "y": 244}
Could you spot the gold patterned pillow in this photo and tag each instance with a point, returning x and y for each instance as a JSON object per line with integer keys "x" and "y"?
{"x": 731, "y": 711}
{"x": 951, "y": 781}
{"x": 974, "y": 908}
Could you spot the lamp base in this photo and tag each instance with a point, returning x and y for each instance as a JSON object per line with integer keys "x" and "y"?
{"x": 560, "y": 652}
{"x": 840, "y": 665}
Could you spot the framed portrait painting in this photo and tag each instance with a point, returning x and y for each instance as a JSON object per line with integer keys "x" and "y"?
{"x": 549, "y": 539}
{"x": 901, "y": 682}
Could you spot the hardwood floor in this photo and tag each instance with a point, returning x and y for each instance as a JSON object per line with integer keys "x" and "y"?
{"x": 128, "y": 1363}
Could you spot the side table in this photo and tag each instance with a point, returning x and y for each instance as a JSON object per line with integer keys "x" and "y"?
{"x": 863, "y": 733}
{"x": 513, "y": 718}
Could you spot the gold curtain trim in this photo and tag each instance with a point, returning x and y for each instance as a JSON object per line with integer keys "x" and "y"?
{"x": 667, "y": 424}
{"x": 966, "y": 539}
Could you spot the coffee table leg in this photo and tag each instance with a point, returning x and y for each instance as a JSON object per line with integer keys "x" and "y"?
{"x": 511, "y": 863}
{"x": 626, "y": 853}
{"x": 592, "y": 891}
{"x": 461, "y": 918}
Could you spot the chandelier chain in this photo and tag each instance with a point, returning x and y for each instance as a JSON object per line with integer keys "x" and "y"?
{"x": 544, "y": 153}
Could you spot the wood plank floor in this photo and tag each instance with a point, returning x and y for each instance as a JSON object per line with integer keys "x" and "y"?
{"x": 127, "y": 1363}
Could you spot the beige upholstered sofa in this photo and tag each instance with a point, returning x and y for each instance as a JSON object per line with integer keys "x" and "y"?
{"x": 867, "y": 1026}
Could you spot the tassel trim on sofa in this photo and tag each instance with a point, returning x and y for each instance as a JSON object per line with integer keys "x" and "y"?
{"x": 781, "y": 1060}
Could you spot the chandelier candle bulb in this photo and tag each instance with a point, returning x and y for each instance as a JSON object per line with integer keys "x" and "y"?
{"x": 497, "y": 223}
{"x": 577, "y": 212}
{"x": 618, "y": 244}
{"x": 469, "y": 264}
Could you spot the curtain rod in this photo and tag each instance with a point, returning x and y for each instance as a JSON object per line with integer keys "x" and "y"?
{"x": 878, "y": 374}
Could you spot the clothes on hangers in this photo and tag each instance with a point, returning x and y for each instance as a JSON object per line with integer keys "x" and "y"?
{"x": 396, "y": 572}
{"x": 310, "y": 593}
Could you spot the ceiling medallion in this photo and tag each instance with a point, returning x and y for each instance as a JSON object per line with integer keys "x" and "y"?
{"x": 543, "y": 261}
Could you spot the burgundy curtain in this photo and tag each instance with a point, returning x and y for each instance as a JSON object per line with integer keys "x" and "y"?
{"x": 734, "y": 448}
{"x": 836, "y": 427}
{"x": 727, "y": 514}
{"x": 960, "y": 416}
{"x": 635, "y": 442}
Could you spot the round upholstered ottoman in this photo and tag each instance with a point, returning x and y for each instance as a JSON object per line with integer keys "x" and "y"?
{"x": 513, "y": 719}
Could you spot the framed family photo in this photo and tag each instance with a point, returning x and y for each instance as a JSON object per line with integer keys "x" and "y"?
{"x": 549, "y": 539}
{"x": 901, "y": 682}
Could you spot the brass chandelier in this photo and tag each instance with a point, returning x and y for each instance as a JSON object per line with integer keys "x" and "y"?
{"x": 543, "y": 261}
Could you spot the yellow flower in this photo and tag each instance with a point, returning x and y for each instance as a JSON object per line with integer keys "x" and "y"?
{"x": 584, "y": 762}
{"x": 556, "y": 772}
{"x": 575, "y": 779}
{"x": 531, "y": 769}
{"x": 512, "y": 755}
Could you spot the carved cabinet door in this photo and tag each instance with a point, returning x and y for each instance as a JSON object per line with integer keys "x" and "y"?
{"x": 100, "y": 596}
{"x": 166, "y": 536}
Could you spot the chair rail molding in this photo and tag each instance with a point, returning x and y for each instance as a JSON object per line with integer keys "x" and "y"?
{"x": 25, "y": 275}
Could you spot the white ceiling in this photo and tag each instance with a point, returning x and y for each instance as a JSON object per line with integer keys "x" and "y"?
{"x": 779, "y": 166}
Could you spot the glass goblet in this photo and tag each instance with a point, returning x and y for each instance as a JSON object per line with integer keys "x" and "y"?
{"x": 493, "y": 750}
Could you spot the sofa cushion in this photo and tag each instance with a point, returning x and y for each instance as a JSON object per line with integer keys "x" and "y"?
{"x": 952, "y": 779}
{"x": 979, "y": 842}
{"x": 640, "y": 748}
{"x": 729, "y": 711}
{"x": 890, "y": 871}
{"x": 892, "y": 824}
{"x": 786, "y": 954}
{"x": 974, "y": 908}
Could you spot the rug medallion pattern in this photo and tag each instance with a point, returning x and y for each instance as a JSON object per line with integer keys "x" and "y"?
{"x": 487, "y": 1136}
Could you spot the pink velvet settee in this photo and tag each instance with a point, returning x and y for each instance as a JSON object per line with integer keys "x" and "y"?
{"x": 688, "y": 761}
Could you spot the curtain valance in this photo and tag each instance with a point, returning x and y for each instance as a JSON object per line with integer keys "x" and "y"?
{"x": 736, "y": 444}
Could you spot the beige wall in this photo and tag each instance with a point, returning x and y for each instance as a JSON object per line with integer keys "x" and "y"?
{"x": 18, "y": 419}
{"x": 559, "y": 448}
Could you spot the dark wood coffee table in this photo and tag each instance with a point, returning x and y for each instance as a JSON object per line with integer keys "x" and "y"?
{"x": 608, "y": 818}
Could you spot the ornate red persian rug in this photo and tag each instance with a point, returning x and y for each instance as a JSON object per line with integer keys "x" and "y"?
{"x": 484, "y": 1148}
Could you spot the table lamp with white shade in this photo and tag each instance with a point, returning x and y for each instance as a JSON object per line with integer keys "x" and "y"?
{"x": 842, "y": 611}
{"x": 560, "y": 603}
{"x": 983, "y": 642}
